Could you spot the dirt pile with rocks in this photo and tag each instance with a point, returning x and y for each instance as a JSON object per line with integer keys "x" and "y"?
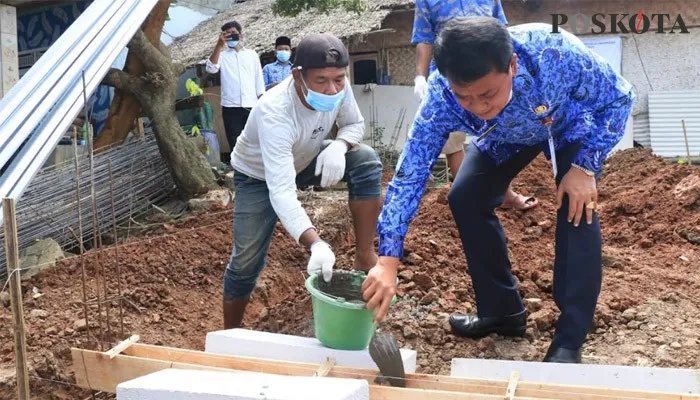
{"x": 172, "y": 280}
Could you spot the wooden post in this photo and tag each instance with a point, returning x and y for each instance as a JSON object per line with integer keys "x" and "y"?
{"x": 12, "y": 254}
{"x": 687, "y": 148}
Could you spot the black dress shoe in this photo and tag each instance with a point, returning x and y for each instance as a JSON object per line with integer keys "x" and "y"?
{"x": 561, "y": 355}
{"x": 472, "y": 326}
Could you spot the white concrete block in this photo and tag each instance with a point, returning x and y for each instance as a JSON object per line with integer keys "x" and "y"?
{"x": 274, "y": 346}
{"x": 652, "y": 379}
{"x": 180, "y": 384}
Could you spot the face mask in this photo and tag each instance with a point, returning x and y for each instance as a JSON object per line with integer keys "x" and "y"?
{"x": 323, "y": 102}
{"x": 232, "y": 43}
{"x": 283, "y": 55}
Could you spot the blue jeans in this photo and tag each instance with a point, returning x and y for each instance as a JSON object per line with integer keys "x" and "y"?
{"x": 478, "y": 189}
{"x": 254, "y": 218}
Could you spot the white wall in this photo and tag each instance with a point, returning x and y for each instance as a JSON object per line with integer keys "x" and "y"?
{"x": 388, "y": 101}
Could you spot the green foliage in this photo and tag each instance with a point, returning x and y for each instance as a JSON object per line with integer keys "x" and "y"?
{"x": 292, "y": 8}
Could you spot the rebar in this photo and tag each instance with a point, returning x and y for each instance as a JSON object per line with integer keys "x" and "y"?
{"x": 80, "y": 237}
{"x": 117, "y": 266}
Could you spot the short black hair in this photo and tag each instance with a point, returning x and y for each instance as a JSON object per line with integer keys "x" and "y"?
{"x": 282, "y": 41}
{"x": 469, "y": 48}
{"x": 232, "y": 24}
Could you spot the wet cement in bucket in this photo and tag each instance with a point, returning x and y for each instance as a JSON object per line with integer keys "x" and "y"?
{"x": 346, "y": 285}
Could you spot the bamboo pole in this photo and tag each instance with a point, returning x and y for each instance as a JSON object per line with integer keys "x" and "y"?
{"x": 12, "y": 255}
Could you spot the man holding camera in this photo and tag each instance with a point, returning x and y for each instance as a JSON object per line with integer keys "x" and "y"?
{"x": 241, "y": 79}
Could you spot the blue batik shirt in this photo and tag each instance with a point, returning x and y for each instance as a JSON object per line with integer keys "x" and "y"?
{"x": 432, "y": 15}
{"x": 559, "y": 80}
{"x": 276, "y": 72}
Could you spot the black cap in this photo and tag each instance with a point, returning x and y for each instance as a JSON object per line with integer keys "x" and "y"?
{"x": 321, "y": 50}
{"x": 282, "y": 41}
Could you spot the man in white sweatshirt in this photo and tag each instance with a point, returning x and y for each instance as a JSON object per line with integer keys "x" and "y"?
{"x": 283, "y": 146}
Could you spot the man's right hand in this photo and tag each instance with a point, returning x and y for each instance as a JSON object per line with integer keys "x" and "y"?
{"x": 322, "y": 260}
{"x": 421, "y": 87}
{"x": 379, "y": 287}
{"x": 223, "y": 38}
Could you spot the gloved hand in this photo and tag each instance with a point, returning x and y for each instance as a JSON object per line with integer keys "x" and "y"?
{"x": 421, "y": 87}
{"x": 322, "y": 260}
{"x": 331, "y": 162}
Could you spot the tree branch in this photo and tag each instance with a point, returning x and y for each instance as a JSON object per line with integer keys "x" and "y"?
{"x": 150, "y": 56}
{"x": 121, "y": 80}
{"x": 179, "y": 69}
{"x": 164, "y": 50}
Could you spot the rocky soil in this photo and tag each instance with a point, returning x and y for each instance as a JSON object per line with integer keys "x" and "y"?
{"x": 171, "y": 281}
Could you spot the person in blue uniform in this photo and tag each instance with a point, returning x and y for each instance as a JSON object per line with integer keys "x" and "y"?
{"x": 525, "y": 90}
{"x": 430, "y": 18}
{"x": 279, "y": 70}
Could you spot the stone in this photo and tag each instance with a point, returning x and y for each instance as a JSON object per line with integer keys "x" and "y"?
{"x": 658, "y": 340}
{"x": 634, "y": 324}
{"x": 406, "y": 275}
{"x": 214, "y": 199}
{"x": 629, "y": 314}
{"x": 687, "y": 191}
{"x": 544, "y": 319}
{"x": 5, "y": 299}
{"x": 39, "y": 256}
{"x": 38, "y": 314}
{"x": 51, "y": 331}
{"x": 676, "y": 345}
{"x": 424, "y": 281}
{"x": 409, "y": 333}
{"x": 431, "y": 297}
{"x": 533, "y": 305}
{"x": 80, "y": 325}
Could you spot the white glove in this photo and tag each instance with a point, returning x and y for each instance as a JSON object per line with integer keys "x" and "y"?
{"x": 421, "y": 87}
{"x": 322, "y": 260}
{"x": 331, "y": 162}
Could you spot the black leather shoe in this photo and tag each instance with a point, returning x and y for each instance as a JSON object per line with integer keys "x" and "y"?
{"x": 561, "y": 355}
{"x": 472, "y": 326}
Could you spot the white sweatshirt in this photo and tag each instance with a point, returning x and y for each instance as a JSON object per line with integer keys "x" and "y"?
{"x": 282, "y": 137}
{"x": 241, "y": 77}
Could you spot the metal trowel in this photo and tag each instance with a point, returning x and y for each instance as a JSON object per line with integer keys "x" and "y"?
{"x": 385, "y": 352}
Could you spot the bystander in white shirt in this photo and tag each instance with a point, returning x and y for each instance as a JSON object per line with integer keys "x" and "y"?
{"x": 241, "y": 77}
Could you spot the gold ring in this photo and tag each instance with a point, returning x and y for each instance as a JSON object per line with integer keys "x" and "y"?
{"x": 591, "y": 205}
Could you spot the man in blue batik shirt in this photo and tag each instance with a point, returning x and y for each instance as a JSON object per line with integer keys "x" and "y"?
{"x": 279, "y": 70}
{"x": 430, "y": 18}
{"x": 523, "y": 91}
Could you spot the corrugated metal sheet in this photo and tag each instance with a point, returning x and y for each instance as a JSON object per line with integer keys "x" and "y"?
{"x": 641, "y": 129}
{"x": 666, "y": 110}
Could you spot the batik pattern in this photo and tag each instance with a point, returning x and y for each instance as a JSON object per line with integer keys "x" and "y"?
{"x": 558, "y": 78}
{"x": 432, "y": 15}
{"x": 276, "y": 72}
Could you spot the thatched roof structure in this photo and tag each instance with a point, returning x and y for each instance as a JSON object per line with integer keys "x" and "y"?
{"x": 261, "y": 26}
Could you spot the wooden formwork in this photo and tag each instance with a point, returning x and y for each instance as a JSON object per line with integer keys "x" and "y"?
{"x": 104, "y": 371}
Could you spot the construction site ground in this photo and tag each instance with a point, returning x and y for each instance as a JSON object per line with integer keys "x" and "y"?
{"x": 648, "y": 312}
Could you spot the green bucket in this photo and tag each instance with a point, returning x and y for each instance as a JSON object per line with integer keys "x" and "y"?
{"x": 341, "y": 319}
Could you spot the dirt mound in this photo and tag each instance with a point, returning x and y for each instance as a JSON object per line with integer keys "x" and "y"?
{"x": 641, "y": 279}
{"x": 172, "y": 280}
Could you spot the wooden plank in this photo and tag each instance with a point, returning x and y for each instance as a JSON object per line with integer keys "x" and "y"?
{"x": 12, "y": 256}
{"x": 512, "y": 385}
{"x": 121, "y": 346}
{"x": 96, "y": 372}
{"x": 414, "y": 381}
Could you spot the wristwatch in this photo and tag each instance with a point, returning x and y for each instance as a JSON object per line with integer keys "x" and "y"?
{"x": 586, "y": 171}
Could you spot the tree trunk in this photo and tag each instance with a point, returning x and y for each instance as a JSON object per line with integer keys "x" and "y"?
{"x": 156, "y": 91}
{"x": 125, "y": 108}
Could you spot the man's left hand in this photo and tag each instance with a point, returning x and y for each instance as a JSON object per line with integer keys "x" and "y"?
{"x": 331, "y": 163}
{"x": 583, "y": 195}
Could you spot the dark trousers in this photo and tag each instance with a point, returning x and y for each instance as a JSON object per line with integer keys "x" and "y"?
{"x": 235, "y": 119}
{"x": 478, "y": 189}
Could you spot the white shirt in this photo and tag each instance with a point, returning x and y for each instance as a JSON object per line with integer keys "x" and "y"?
{"x": 241, "y": 77}
{"x": 282, "y": 137}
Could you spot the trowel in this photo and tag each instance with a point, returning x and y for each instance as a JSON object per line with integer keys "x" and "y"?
{"x": 385, "y": 352}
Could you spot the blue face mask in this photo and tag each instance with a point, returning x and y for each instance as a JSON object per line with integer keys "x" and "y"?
{"x": 232, "y": 43}
{"x": 323, "y": 102}
{"x": 283, "y": 55}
